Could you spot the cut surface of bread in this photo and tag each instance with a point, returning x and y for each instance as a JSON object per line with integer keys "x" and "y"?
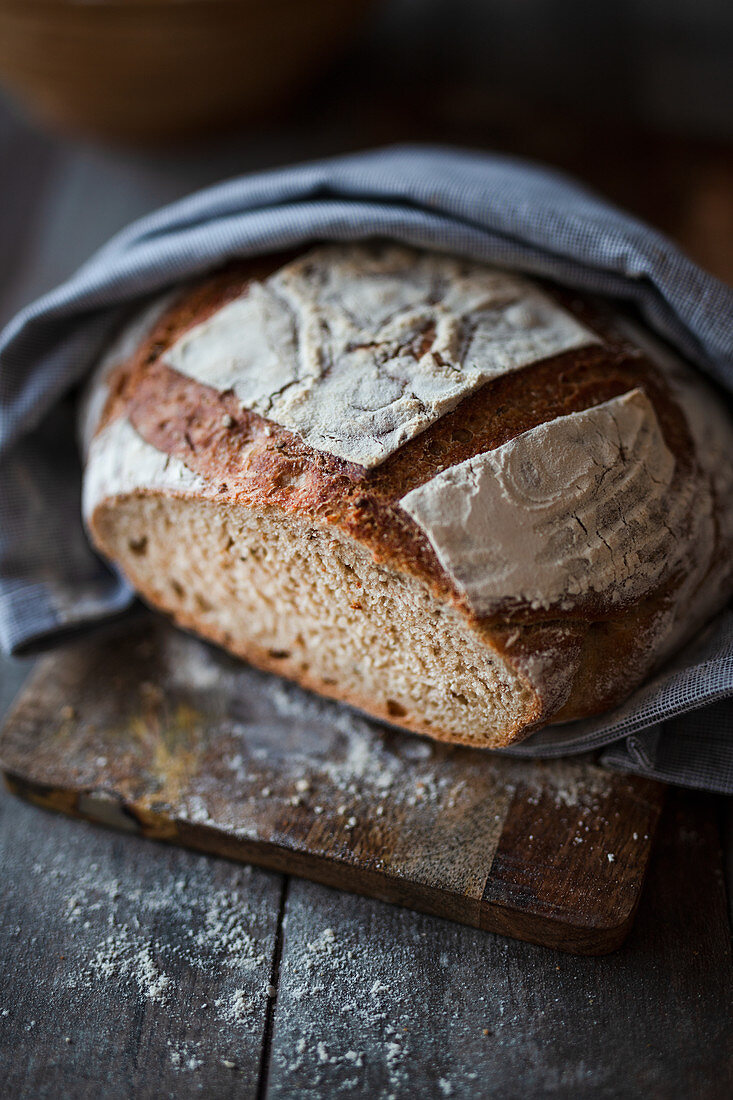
{"x": 310, "y": 604}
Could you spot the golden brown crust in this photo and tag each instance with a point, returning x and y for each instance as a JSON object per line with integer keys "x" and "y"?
{"x": 599, "y": 654}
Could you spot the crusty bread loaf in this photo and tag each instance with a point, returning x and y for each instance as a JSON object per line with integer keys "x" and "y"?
{"x": 465, "y": 503}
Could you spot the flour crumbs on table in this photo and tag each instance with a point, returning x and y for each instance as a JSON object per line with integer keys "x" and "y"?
{"x": 154, "y": 947}
{"x": 120, "y": 957}
{"x": 184, "y": 1057}
{"x": 348, "y": 1019}
{"x": 426, "y": 825}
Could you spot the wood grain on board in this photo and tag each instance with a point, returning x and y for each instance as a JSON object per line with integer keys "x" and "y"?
{"x": 150, "y": 730}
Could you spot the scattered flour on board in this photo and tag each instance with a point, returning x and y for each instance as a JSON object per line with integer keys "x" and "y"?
{"x": 296, "y": 749}
{"x": 288, "y": 750}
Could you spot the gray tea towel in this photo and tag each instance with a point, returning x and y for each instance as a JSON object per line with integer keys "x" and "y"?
{"x": 679, "y": 726}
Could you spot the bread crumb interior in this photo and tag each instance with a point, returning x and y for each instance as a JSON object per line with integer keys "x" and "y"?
{"x": 311, "y": 604}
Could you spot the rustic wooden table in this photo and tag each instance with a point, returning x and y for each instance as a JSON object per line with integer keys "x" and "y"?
{"x": 132, "y": 969}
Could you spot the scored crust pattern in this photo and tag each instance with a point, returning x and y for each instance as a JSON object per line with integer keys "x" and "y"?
{"x": 581, "y": 503}
{"x": 360, "y": 349}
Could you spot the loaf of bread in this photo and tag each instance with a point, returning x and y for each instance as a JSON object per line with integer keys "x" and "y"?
{"x": 461, "y": 501}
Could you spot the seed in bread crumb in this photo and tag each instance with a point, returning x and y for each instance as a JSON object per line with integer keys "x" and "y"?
{"x": 227, "y": 421}
{"x": 611, "y": 857}
{"x": 228, "y": 1064}
{"x": 302, "y": 785}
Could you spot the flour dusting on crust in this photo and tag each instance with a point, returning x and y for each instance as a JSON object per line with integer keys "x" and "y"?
{"x": 120, "y": 462}
{"x": 578, "y": 505}
{"x": 360, "y": 348}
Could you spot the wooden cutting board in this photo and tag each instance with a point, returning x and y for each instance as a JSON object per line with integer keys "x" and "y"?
{"x": 147, "y": 729}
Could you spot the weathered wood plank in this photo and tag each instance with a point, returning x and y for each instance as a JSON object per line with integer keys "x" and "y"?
{"x": 127, "y": 969}
{"x": 144, "y": 726}
{"x": 375, "y": 1002}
